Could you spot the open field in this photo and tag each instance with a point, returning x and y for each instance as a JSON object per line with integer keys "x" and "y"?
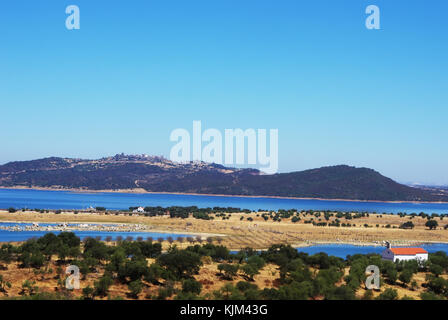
{"x": 261, "y": 234}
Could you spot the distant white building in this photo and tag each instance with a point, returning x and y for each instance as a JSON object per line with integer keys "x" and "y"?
{"x": 139, "y": 210}
{"x": 404, "y": 254}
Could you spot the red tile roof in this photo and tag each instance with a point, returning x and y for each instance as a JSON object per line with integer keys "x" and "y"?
{"x": 408, "y": 251}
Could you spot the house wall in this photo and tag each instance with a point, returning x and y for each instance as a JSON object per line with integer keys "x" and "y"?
{"x": 387, "y": 255}
{"x": 422, "y": 256}
{"x": 404, "y": 257}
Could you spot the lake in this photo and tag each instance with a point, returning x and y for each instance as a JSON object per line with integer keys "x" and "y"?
{"x": 41, "y": 199}
{"x": 13, "y": 236}
{"x": 338, "y": 250}
{"x": 28, "y": 198}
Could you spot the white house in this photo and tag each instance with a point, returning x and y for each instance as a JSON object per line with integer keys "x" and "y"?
{"x": 402, "y": 254}
{"x": 139, "y": 209}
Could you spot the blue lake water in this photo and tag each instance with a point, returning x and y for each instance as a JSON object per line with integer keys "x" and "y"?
{"x": 73, "y": 200}
{"x": 338, "y": 250}
{"x": 342, "y": 250}
{"x": 7, "y": 236}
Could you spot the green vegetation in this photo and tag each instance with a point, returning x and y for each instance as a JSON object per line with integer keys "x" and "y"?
{"x": 174, "y": 272}
{"x": 407, "y": 225}
{"x": 431, "y": 224}
{"x": 119, "y": 172}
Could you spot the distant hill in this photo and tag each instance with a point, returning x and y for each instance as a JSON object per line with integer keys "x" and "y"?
{"x": 158, "y": 174}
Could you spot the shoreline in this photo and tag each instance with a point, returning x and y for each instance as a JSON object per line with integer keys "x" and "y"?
{"x": 142, "y": 191}
{"x": 404, "y": 243}
{"x": 239, "y": 234}
{"x": 71, "y": 229}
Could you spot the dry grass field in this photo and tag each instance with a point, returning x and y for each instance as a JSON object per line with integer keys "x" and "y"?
{"x": 52, "y": 281}
{"x": 260, "y": 234}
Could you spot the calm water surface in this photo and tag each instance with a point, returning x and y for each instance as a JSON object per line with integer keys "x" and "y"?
{"x": 72, "y": 200}
{"x": 7, "y": 236}
{"x": 342, "y": 250}
{"x": 115, "y": 201}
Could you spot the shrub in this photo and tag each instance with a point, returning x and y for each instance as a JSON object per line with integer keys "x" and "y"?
{"x": 102, "y": 285}
{"x": 407, "y": 225}
{"x": 191, "y": 286}
{"x": 388, "y": 294}
{"x": 135, "y": 287}
{"x": 431, "y": 224}
{"x": 228, "y": 271}
{"x": 406, "y": 276}
{"x": 250, "y": 271}
{"x": 181, "y": 263}
{"x": 88, "y": 293}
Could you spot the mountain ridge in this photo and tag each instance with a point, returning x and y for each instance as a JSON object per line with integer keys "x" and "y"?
{"x": 157, "y": 174}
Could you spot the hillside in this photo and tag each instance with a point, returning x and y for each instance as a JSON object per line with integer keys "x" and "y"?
{"x": 157, "y": 174}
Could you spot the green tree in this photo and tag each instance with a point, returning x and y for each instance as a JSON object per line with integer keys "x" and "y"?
{"x": 405, "y": 276}
{"x": 155, "y": 272}
{"x": 4, "y": 284}
{"x": 388, "y": 294}
{"x": 407, "y": 225}
{"x": 49, "y": 245}
{"x": 437, "y": 285}
{"x": 257, "y": 261}
{"x": 435, "y": 269}
{"x": 228, "y": 271}
{"x": 88, "y": 293}
{"x": 102, "y": 285}
{"x": 33, "y": 259}
{"x": 340, "y": 293}
{"x": 390, "y": 271}
{"x": 295, "y": 291}
{"x": 250, "y": 271}
{"x": 117, "y": 260}
{"x": 133, "y": 269}
{"x": 228, "y": 292}
{"x": 191, "y": 286}
{"x": 95, "y": 249}
{"x": 7, "y": 252}
{"x": 135, "y": 287}
{"x": 29, "y": 288}
{"x": 430, "y": 296}
{"x": 186, "y": 296}
{"x": 181, "y": 263}
{"x": 431, "y": 224}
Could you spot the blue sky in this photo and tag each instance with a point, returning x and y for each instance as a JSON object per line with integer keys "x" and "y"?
{"x": 136, "y": 70}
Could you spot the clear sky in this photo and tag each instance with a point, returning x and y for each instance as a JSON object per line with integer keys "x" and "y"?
{"x": 136, "y": 70}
